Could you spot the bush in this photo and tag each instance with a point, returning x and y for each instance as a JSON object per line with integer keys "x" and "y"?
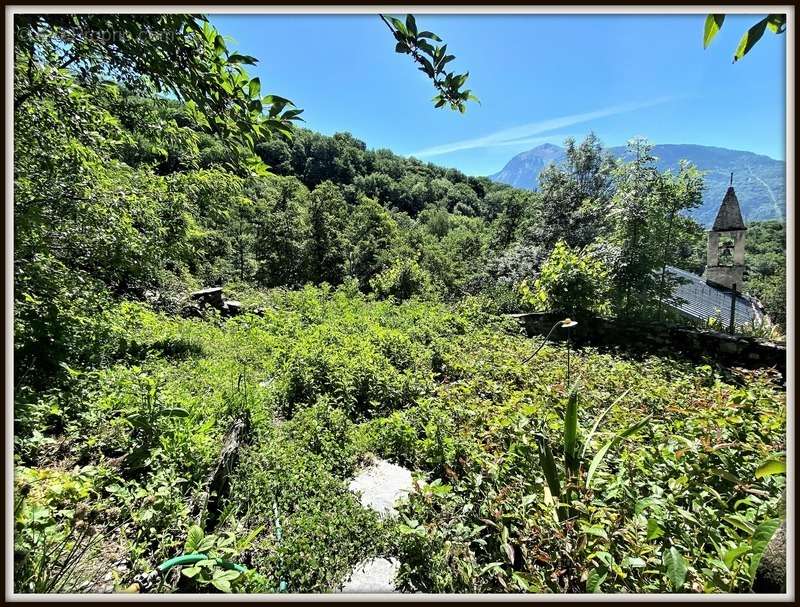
{"x": 324, "y": 430}
{"x": 570, "y": 281}
{"x": 323, "y": 528}
{"x": 402, "y": 280}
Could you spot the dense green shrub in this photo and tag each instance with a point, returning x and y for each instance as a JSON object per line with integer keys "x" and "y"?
{"x": 323, "y": 528}
{"x": 573, "y": 282}
{"x": 324, "y": 430}
{"x": 402, "y": 280}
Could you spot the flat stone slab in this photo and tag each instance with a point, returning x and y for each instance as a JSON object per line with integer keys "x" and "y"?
{"x": 372, "y": 576}
{"x": 381, "y": 485}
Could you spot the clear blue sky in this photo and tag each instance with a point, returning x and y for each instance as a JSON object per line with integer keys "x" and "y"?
{"x": 540, "y": 78}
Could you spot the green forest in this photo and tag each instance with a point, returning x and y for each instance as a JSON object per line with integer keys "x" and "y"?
{"x": 374, "y": 293}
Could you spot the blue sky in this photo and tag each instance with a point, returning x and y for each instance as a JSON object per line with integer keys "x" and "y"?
{"x": 540, "y": 78}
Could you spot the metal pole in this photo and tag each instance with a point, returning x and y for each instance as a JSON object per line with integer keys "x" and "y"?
{"x": 569, "y": 347}
{"x": 733, "y": 308}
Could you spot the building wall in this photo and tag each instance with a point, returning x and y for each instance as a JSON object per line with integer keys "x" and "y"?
{"x": 727, "y": 276}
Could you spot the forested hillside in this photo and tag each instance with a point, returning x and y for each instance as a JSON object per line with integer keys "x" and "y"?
{"x": 372, "y": 288}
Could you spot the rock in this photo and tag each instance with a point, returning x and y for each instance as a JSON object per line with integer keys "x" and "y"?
{"x": 373, "y": 575}
{"x": 381, "y": 485}
{"x": 232, "y": 308}
{"x": 771, "y": 574}
{"x": 211, "y": 296}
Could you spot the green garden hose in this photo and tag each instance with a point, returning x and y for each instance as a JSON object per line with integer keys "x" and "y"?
{"x": 196, "y": 557}
{"x": 144, "y": 582}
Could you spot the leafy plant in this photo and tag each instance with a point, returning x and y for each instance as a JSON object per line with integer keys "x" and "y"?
{"x": 218, "y": 569}
{"x": 574, "y": 282}
{"x": 775, "y": 23}
{"x": 432, "y": 60}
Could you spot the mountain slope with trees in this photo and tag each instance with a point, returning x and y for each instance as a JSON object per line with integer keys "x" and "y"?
{"x": 760, "y": 181}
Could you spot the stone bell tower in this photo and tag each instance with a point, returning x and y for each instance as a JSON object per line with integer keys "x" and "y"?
{"x": 725, "y": 264}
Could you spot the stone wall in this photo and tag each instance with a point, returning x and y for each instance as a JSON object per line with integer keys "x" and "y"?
{"x": 645, "y": 337}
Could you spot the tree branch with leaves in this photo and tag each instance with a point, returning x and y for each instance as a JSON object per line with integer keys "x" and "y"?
{"x": 774, "y": 23}
{"x": 432, "y": 60}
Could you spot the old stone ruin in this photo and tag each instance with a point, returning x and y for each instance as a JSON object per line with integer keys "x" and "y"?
{"x": 210, "y": 298}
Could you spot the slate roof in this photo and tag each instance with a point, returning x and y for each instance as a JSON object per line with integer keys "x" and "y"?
{"x": 729, "y": 216}
{"x": 696, "y": 298}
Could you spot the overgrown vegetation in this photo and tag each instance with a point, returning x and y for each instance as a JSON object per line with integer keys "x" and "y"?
{"x": 373, "y": 288}
{"x": 329, "y": 377}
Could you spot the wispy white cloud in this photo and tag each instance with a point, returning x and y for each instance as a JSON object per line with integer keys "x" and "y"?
{"x": 524, "y": 134}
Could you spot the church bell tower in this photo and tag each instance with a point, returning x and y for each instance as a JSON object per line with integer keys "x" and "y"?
{"x": 725, "y": 260}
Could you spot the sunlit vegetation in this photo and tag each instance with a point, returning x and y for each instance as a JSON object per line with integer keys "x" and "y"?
{"x": 373, "y": 290}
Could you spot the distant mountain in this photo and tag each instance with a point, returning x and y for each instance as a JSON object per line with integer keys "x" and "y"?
{"x": 760, "y": 181}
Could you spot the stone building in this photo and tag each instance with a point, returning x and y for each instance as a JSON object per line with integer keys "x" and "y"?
{"x": 725, "y": 259}
{"x": 718, "y": 292}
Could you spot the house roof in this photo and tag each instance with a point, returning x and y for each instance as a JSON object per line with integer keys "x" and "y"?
{"x": 729, "y": 216}
{"x": 696, "y": 298}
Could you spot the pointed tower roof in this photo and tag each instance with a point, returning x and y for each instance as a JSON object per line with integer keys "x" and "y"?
{"x": 729, "y": 216}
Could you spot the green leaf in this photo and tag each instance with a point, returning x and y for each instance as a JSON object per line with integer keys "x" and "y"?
{"x": 398, "y": 25}
{"x": 597, "y": 459}
{"x": 244, "y": 59}
{"x": 411, "y": 24}
{"x": 635, "y": 427}
{"x": 207, "y": 543}
{"x": 194, "y": 538}
{"x": 676, "y": 568}
{"x": 549, "y": 467}
{"x": 226, "y": 574}
{"x": 596, "y": 530}
{"x": 730, "y": 556}
{"x": 728, "y": 476}
{"x": 254, "y": 88}
{"x": 776, "y": 23}
{"x": 595, "y": 579}
{"x": 738, "y": 522}
{"x": 190, "y": 571}
{"x": 429, "y": 35}
{"x": 654, "y": 530}
{"x": 137, "y": 420}
{"x": 770, "y": 467}
{"x": 761, "y": 537}
{"x": 223, "y": 585}
{"x": 599, "y": 419}
{"x": 273, "y": 99}
{"x": 750, "y": 38}
{"x": 713, "y": 25}
{"x": 174, "y": 412}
